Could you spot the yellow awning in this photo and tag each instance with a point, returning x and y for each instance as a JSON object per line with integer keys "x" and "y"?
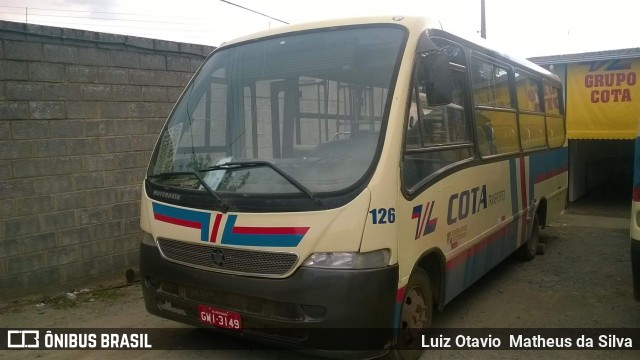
{"x": 603, "y": 99}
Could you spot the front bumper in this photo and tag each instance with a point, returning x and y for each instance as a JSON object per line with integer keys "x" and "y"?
{"x": 313, "y": 309}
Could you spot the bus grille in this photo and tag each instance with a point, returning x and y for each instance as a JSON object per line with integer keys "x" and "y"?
{"x": 226, "y": 259}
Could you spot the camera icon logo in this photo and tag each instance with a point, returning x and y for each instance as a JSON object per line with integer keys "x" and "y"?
{"x": 23, "y": 339}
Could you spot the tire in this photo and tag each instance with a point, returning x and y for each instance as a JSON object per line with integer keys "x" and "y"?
{"x": 528, "y": 250}
{"x": 415, "y": 316}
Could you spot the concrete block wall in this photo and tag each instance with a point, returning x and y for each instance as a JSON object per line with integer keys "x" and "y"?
{"x": 80, "y": 113}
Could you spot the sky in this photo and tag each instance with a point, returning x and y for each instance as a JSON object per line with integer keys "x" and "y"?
{"x": 524, "y": 28}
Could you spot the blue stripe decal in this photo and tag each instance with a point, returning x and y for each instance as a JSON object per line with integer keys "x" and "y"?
{"x": 185, "y": 215}
{"x": 514, "y": 186}
{"x": 548, "y": 162}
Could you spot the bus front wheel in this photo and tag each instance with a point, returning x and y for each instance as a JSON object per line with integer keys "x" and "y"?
{"x": 416, "y": 314}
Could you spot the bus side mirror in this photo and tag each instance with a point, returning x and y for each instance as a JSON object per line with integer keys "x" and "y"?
{"x": 438, "y": 78}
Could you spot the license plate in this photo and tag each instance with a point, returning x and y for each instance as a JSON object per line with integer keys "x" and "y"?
{"x": 220, "y": 318}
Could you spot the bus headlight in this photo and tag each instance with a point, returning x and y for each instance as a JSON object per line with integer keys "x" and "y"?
{"x": 349, "y": 260}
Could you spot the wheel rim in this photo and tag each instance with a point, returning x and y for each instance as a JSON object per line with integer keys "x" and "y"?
{"x": 414, "y": 310}
{"x": 414, "y": 315}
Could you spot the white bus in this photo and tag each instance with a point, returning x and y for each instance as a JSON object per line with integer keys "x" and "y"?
{"x": 353, "y": 174}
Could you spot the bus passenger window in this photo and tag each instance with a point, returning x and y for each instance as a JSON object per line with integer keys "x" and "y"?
{"x": 496, "y": 117}
{"x": 554, "y": 116}
{"x": 485, "y": 135}
{"x": 532, "y": 126}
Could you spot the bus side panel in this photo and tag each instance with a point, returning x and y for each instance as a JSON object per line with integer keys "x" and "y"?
{"x": 549, "y": 179}
{"x": 506, "y": 226}
{"x": 480, "y": 215}
{"x": 470, "y": 266}
{"x": 635, "y": 223}
{"x": 474, "y": 217}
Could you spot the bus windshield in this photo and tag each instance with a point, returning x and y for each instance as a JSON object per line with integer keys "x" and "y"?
{"x": 299, "y": 113}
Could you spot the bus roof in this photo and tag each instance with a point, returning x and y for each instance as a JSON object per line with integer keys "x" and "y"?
{"x": 410, "y": 22}
{"x": 413, "y": 23}
{"x": 489, "y": 48}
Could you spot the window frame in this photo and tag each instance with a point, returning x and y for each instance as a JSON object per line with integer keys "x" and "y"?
{"x": 513, "y": 109}
{"x": 422, "y": 148}
{"x": 560, "y": 115}
{"x": 540, "y": 93}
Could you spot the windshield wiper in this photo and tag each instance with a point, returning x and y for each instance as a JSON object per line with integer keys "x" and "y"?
{"x": 224, "y": 207}
{"x": 272, "y": 166}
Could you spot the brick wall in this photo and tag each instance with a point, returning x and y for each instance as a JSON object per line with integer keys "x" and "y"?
{"x": 79, "y": 114}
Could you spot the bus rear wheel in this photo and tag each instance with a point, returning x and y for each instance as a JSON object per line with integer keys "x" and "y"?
{"x": 529, "y": 249}
{"x": 415, "y": 316}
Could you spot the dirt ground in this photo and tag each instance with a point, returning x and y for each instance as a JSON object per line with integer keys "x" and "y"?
{"x": 582, "y": 281}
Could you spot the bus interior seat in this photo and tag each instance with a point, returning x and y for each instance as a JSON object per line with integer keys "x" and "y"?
{"x": 359, "y": 145}
{"x": 506, "y": 140}
{"x": 532, "y": 138}
{"x": 486, "y": 136}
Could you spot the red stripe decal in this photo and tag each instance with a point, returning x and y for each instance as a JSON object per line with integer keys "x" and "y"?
{"x": 216, "y": 226}
{"x": 635, "y": 196}
{"x": 463, "y": 257}
{"x": 180, "y": 222}
{"x": 523, "y": 184}
{"x": 270, "y": 230}
{"x": 400, "y": 295}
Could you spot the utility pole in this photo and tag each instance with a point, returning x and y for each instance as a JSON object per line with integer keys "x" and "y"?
{"x": 483, "y": 21}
